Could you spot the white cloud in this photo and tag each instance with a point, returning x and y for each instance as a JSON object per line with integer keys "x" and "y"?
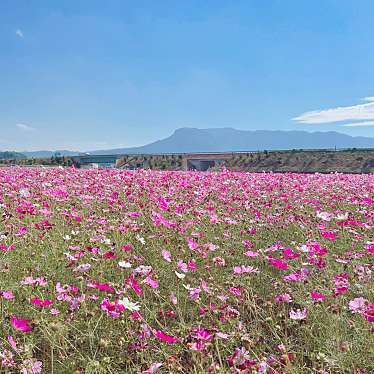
{"x": 348, "y": 113}
{"x": 19, "y": 33}
{"x": 359, "y": 124}
{"x": 24, "y": 127}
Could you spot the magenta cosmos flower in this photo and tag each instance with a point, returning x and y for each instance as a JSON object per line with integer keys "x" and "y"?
{"x": 21, "y": 324}
{"x": 165, "y": 338}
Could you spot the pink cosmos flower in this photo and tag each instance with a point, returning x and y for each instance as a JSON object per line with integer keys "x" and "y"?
{"x": 211, "y": 247}
{"x": 370, "y": 247}
{"x": 82, "y": 268}
{"x": 183, "y": 266}
{"x": 244, "y": 269}
{"x": 235, "y": 291}
{"x": 40, "y": 302}
{"x": 317, "y": 296}
{"x": 285, "y": 297}
{"x": 12, "y": 343}
{"x": 8, "y": 295}
{"x": 109, "y": 255}
{"x": 165, "y": 338}
{"x": 133, "y": 283}
{"x": 101, "y": 286}
{"x": 369, "y": 313}
{"x": 127, "y": 247}
{"x": 192, "y": 265}
{"x": 222, "y": 335}
{"x": 297, "y": 276}
{"x": 241, "y": 359}
{"x": 194, "y": 293}
{"x": 219, "y": 261}
{"x": 288, "y": 253}
{"x": 204, "y": 286}
{"x": 202, "y": 334}
{"x": 340, "y": 290}
{"x": 329, "y": 235}
{"x": 6, "y": 359}
{"x": 153, "y": 368}
{"x": 298, "y": 314}
{"x": 192, "y": 245}
{"x": 22, "y": 231}
{"x": 151, "y": 282}
{"x": 358, "y": 305}
{"x": 196, "y": 346}
{"x": 31, "y": 366}
{"x": 21, "y": 324}
{"x": 6, "y": 248}
{"x": 251, "y": 254}
{"x": 173, "y": 298}
{"x": 112, "y": 308}
{"x": 278, "y": 263}
{"x": 166, "y": 255}
{"x": 40, "y": 281}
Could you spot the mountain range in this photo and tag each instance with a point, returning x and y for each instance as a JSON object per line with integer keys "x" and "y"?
{"x": 185, "y": 140}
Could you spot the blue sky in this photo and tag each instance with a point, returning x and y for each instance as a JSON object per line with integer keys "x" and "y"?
{"x": 86, "y": 75}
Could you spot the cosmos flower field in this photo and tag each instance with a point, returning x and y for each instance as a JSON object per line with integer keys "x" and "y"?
{"x": 113, "y": 271}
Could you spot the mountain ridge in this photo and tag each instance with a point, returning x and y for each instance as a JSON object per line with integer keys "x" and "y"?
{"x": 228, "y": 139}
{"x": 186, "y": 140}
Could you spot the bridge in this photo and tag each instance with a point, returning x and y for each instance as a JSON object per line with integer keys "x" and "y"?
{"x": 190, "y": 161}
{"x": 95, "y": 161}
{"x": 203, "y": 161}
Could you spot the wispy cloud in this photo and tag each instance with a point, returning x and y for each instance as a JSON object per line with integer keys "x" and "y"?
{"x": 359, "y": 124}
{"x": 19, "y": 33}
{"x": 24, "y": 127}
{"x": 359, "y": 112}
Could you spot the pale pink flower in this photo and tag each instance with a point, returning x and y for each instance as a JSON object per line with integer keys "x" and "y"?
{"x": 8, "y": 295}
{"x": 358, "y": 305}
{"x": 194, "y": 293}
{"x": 244, "y": 269}
{"x": 6, "y": 359}
{"x": 153, "y": 368}
{"x": 82, "y": 268}
{"x": 251, "y": 254}
{"x": 151, "y": 282}
{"x": 298, "y": 314}
{"x": 31, "y": 366}
{"x": 285, "y": 297}
{"x": 166, "y": 255}
{"x": 183, "y": 266}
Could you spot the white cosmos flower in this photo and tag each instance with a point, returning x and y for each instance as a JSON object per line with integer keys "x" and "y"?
{"x": 140, "y": 239}
{"x": 303, "y": 248}
{"x": 24, "y": 192}
{"x": 129, "y": 305}
{"x": 124, "y": 264}
{"x": 326, "y": 216}
{"x": 180, "y": 275}
{"x": 342, "y": 217}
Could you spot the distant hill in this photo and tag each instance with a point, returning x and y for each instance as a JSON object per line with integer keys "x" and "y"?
{"x": 228, "y": 139}
{"x": 185, "y": 140}
{"x": 7, "y": 155}
{"x": 45, "y": 154}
